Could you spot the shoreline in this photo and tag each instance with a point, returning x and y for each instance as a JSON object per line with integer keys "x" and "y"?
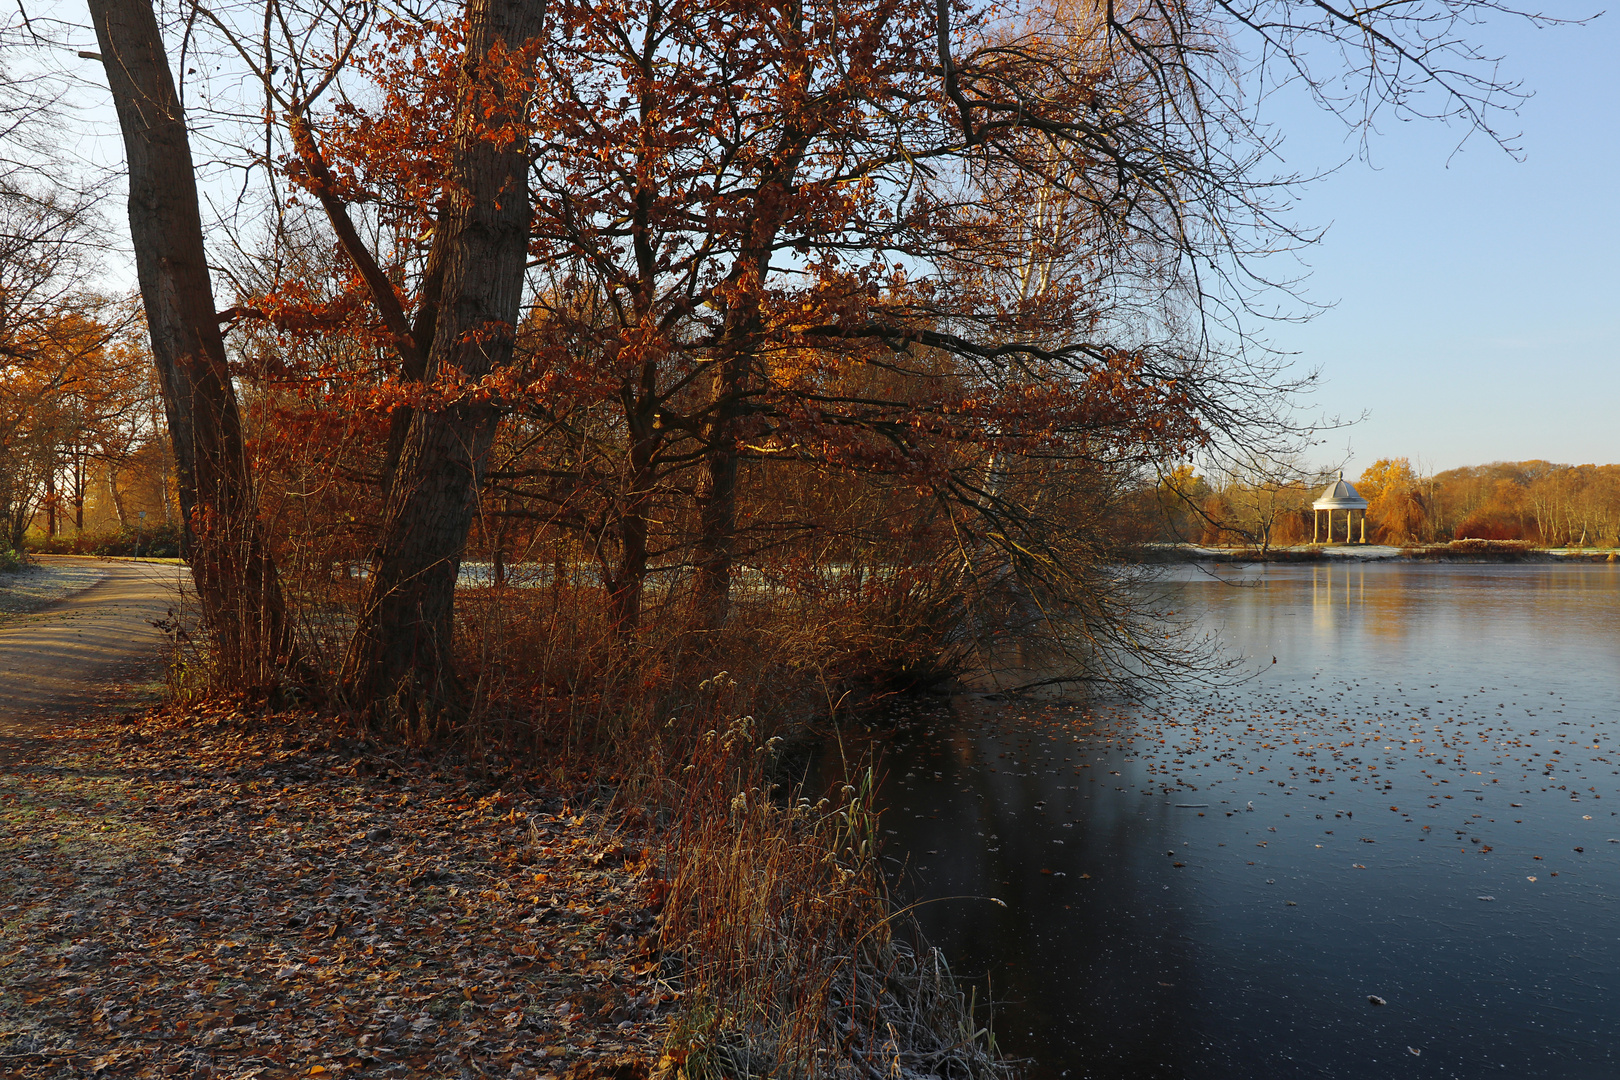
{"x": 1459, "y": 551}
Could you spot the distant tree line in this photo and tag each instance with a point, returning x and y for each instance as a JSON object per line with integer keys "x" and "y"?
{"x": 1538, "y": 502}
{"x": 82, "y": 440}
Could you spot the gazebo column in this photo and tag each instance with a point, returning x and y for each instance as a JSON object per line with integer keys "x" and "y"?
{"x": 1364, "y": 526}
{"x": 1316, "y": 525}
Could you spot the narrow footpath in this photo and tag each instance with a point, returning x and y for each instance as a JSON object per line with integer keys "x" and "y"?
{"x": 88, "y": 648}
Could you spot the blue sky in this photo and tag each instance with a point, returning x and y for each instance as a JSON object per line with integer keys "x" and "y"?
{"x": 1477, "y": 298}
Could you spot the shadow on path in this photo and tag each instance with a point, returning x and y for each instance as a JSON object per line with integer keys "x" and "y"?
{"x": 86, "y": 649}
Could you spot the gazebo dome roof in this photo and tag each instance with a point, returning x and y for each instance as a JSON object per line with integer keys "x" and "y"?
{"x": 1340, "y": 496}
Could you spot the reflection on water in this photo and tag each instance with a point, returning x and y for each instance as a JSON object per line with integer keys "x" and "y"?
{"x": 1414, "y": 799}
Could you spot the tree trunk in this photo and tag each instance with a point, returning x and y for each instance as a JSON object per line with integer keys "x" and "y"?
{"x": 224, "y": 541}
{"x": 715, "y": 551}
{"x": 717, "y": 496}
{"x": 78, "y": 492}
{"x": 117, "y": 496}
{"x": 164, "y": 448}
{"x": 412, "y": 340}
{"x": 50, "y": 498}
{"x": 400, "y": 664}
{"x": 626, "y": 582}
{"x": 422, "y": 330}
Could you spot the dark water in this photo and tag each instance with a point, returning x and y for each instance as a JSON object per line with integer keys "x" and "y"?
{"x": 1418, "y": 801}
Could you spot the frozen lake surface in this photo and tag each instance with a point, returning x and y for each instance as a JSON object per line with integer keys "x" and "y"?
{"x": 1418, "y": 802}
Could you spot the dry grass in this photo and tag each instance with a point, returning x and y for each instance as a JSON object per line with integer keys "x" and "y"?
{"x": 1489, "y": 550}
{"x": 783, "y": 938}
{"x": 551, "y": 681}
{"x": 788, "y": 953}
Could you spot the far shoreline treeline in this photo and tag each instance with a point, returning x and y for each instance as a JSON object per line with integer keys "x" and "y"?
{"x": 1530, "y": 504}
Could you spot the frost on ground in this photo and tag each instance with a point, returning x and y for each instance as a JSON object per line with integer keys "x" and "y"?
{"x": 214, "y": 893}
{"x": 35, "y": 586}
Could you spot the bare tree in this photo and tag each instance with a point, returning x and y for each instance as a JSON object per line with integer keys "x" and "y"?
{"x": 225, "y": 542}
{"x": 49, "y": 233}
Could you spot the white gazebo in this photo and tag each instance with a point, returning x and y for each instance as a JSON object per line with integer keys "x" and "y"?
{"x": 1339, "y": 496}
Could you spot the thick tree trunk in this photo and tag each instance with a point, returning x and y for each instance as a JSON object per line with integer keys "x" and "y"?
{"x": 400, "y": 664}
{"x": 224, "y": 542}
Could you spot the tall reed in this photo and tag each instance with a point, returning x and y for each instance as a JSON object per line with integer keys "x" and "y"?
{"x": 780, "y": 930}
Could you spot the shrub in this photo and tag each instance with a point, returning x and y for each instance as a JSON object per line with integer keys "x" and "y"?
{"x": 155, "y": 542}
{"x": 10, "y": 561}
{"x": 1481, "y": 526}
{"x": 1474, "y": 548}
{"x": 1486, "y": 546}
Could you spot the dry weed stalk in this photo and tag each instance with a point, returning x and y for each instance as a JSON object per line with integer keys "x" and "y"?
{"x": 782, "y": 935}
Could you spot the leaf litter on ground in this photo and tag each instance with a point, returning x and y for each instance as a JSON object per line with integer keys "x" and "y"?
{"x": 208, "y": 892}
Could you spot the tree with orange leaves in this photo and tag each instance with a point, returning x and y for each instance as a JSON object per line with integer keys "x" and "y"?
{"x": 907, "y": 237}
{"x": 1395, "y": 500}
{"x": 675, "y": 189}
{"x": 52, "y": 327}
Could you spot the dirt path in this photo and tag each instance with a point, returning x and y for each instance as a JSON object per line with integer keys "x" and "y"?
{"x": 87, "y": 648}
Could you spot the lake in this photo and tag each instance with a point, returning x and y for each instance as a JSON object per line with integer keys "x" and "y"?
{"x": 1393, "y": 852}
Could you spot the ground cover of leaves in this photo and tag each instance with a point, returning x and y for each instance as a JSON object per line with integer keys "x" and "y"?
{"x": 212, "y": 893}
